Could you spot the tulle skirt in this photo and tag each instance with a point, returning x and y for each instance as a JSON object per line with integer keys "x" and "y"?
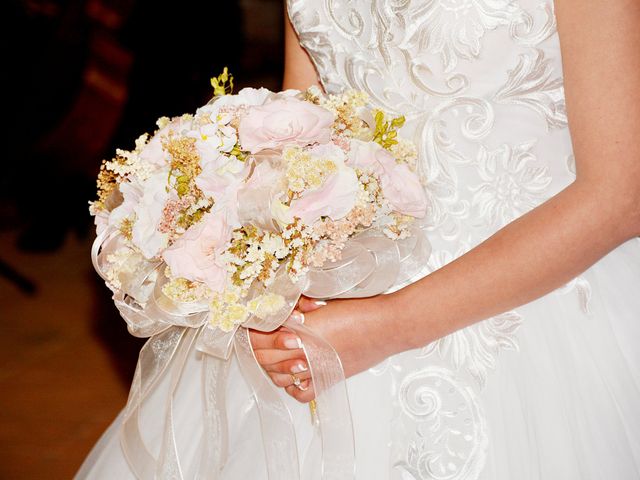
{"x": 549, "y": 392}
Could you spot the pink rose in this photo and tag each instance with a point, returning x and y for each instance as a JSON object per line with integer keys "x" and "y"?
{"x": 400, "y": 186}
{"x": 246, "y": 96}
{"x": 196, "y": 255}
{"x": 284, "y": 121}
{"x": 334, "y": 199}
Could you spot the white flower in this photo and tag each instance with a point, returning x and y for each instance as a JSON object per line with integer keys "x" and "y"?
{"x": 121, "y": 264}
{"x": 101, "y": 218}
{"x": 153, "y": 154}
{"x": 221, "y": 177}
{"x": 246, "y": 96}
{"x": 274, "y": 244}
{"x": 148, "y": 214}
{"x": 254, "y": 253}
{"x": 131, "y": 195}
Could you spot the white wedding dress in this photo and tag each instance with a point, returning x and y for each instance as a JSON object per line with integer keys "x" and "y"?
{"x": 550, "y": 391}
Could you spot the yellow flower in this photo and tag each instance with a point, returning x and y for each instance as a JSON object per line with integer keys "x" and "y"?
{"x": 266, "y": 305}
{"x": 237, "y": 313}
{"x": 386, "y": 132}
{"x": 226, "y": 311}
{"x": 230, "y": 296}
{"x": 223, "y": 83}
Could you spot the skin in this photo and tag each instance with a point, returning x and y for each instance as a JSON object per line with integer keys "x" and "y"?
{"x": 533, "y": 255}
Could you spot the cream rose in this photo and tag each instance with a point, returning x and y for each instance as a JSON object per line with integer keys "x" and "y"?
{"x": 285, "y": 121}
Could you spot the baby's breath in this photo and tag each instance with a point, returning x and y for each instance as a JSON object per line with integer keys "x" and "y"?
{"x": 305, "y": 171}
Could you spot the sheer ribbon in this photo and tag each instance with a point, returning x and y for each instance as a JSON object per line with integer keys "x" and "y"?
{"x": 371, "y": 264}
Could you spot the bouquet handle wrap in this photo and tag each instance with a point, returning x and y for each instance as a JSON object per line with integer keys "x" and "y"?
{"x": 332, "y": 405}
{"x": 371, "y": 265}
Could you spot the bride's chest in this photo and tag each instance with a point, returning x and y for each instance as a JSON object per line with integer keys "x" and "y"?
{"x": 407, "y": 41}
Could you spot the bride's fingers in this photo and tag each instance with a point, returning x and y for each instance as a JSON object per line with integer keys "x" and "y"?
{"x": 288, "y": 379}
{"x": 306, "y": 304}
{"x": 296, "y": 366}
{"x": 269, "y": 356}
{"x": 304, "y": 394}
{"x": 281, "y": 338}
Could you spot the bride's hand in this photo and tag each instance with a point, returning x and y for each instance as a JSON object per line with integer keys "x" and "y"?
{"x": 345, "y": 324}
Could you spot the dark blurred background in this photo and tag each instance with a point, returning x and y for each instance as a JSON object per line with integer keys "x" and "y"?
{"x": 83, "y": 77}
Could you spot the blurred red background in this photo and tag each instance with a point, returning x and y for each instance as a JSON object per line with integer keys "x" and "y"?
{"x": 83, "y": 77}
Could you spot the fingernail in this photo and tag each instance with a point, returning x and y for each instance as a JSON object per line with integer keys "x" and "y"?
{"x": 320, "y": 303}
{"x": 299, "y": 367}
{"x": 293, "y": 343}
{"x": 297, "y": 317}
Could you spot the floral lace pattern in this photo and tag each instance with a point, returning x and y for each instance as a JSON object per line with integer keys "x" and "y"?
{"x": 531, "y": 84}
{"x": 512, "y": 183}
{"x": 450, "y": 431}
{"x": 480, "y": 83}
{"x": 457, "y": 27}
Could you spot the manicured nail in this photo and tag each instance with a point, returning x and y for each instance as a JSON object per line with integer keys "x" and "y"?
{"x": 299, "y": 367}
{"x": 297, "y": 317}
{"x": 320, "y": 303}
{"x": 293, "y": 343}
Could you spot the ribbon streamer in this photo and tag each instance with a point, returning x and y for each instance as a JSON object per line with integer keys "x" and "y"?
{"x": 371, "y": 264}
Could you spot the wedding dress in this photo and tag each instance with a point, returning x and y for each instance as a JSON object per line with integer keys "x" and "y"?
{"x": 550, "y": 391}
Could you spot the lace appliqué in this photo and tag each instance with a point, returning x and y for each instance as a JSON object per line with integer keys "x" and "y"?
{"x": 450, "y": 426}
{"x": 531, "y": 84}
{"x": 476, "y": 348}
{"x": 525, "y": 31}
{"x": 480, "y": 93}
{"x": 513, "y": 182}
{"x": 583, "y": 289}
{"x": 456, "y": 27}
{"x": 475, "y": 118}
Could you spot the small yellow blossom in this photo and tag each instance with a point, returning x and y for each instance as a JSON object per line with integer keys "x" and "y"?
{"x": 266, "y": 305}
{"x": 386, "y": 132}
{"x": 404, "y": 151}
{"x": 163, "y": 122}
{"x": 304, "y": 171}
{"x": 183, "y": 290}
{"x": 223, "y": 83}
{"x": 226, "y": 310}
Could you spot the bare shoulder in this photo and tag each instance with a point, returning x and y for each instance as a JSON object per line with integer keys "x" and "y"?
{"x": 299, "y": 71}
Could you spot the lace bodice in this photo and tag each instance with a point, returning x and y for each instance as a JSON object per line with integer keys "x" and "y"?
{"x": 480, "y": 83}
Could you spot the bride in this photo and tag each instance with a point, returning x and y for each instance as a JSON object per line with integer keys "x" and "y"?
{"x": 516, "y": 357}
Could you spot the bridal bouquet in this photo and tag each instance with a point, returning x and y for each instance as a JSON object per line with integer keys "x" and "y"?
{"x": 221, "y": 219}
{"x": 253, "y": 187}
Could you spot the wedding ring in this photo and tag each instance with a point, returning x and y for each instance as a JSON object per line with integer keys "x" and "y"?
{"x": 298, "y": 383}
{"x": 296, "y": 380}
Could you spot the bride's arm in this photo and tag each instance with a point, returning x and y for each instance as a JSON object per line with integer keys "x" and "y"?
{"x": 544, "y": 248}
{"x": 299, "y": 72}
{"x": 600, "y": 210}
